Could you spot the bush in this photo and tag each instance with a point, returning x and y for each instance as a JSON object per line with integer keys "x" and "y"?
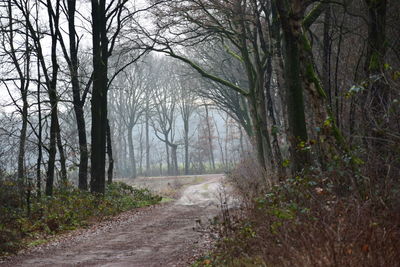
{"x": 308, "y": 221}
{"x": 67, "y": 209}
{"x": 10, "y": 213}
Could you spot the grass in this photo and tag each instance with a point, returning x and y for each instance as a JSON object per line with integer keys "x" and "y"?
{"x": 166, "y": 200}
{"x": 68, "y": 209}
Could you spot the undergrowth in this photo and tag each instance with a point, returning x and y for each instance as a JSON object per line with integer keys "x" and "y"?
{"x": 68, "y": 209}
{"x": 309, "y": 220}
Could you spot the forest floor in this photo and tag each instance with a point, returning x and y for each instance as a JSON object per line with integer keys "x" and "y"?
{"x": 172, "y": 233}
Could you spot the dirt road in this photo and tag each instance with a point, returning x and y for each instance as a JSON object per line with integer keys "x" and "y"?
{"x": 163, "y": 235}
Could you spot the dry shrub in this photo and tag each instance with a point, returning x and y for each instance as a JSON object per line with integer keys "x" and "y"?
{"x": 305, "y": 221}
{"x": 248, "y": 180}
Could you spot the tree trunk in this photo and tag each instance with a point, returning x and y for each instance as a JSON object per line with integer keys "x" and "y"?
{"x": 54, "y": 133}
{"x": 22, "y": 142}
{"x": 147, "y": 140}
{"x": 227, "y": 157}
{"x": 77, "y": 101}
{"x": 110, "y": 155}
{"x": 261, "y": 139}
{"x": 174, "y": 148}
{"x": 275, "y": 125}
{"x": 210, "y": 138}
{"x": 132, "y": 152}
{"x": 292, "y": 31}
{"x": 168, "y": 158}
{"x": 326, "y": 55}
{"x": 124, "y": 153}
{"x": 24, "y": 76}
{"x": 52, "y": 156}
{"x": 83, "y": 149}
{"x": 186, "y": 144}
{"x": 277, "y": 62}
{"x": 378, "y": 95}
{"x": 221, "y": 147}
{"x": 54, "y": 125}
{"x": 141, "y": 151}
{"x": 99, "y": 96}
{"x": 241, "y": 143}
{"x": 39, "y": 156}
{"x": 60, "y": 147}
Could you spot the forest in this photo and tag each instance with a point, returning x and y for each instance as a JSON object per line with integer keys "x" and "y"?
{"x": 295, "y": 101}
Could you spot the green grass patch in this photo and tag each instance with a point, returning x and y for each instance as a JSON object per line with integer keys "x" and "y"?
{"x": 36, "y": 242}
{"x": 166, "y": 200}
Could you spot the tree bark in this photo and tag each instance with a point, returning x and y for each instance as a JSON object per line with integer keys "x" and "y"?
{"x": 110, "y": 170}
{"x": 261, "y": 139}
{"x": 326, "y": 55}
{"x": 375, "y": 59}
{"x": 210, "y": 138}
{"x": 39, "y": 156}
{"x": 52, "y": 91}
{"x": 132, "y": 153}
{"x": 278, "y": 159}
{"x": 60, "y": 147}
{"x": 291, "y": 23}
{"x": 23, "y": 88}
{"x": 141, "y": 151}
{"x": 77, "y": 101}
{"x": 174, "y": 148}
{"x": 186, "y": 144}
{"x": 99, "y": 96}
{"x": 167, "y": 155}
{"x": 147, "y": 139}
{"x": 52, "y": 156}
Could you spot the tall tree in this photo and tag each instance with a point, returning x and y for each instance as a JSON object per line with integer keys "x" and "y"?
{"x": 302, "y": 82}
{"x": 186, "y": 104}
{"x": 165, "y": 104}
{"x": 241, "y": 27}
{"x": 71, "y": 57}
{"x": 53, "y": 13}
{"x": 107, "y": 19}
{"x": 290, "y": 15}
{"x": 99, "y": 95}
{"x": 20, "y": 59}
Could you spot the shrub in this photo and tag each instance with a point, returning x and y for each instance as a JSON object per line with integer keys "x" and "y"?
{"x": 307, "y": 221}
{"x": 67, "y": 209}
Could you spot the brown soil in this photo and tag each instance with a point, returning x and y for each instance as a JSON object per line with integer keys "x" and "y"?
{"x": 168, "y": 234}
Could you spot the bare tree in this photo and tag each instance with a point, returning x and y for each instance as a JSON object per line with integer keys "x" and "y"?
{"x": 18, "y": 51}
{"x": 165, "y": 102}
{"x": 79, "y": 98}
{"x": 129, "y": 95}
{"x": 50, "y": 79}
{"x": 187, "y": 105}
{"x": 241, "y": 26}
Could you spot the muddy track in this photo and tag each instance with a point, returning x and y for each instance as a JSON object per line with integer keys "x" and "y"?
{"x": 168, "y": 234}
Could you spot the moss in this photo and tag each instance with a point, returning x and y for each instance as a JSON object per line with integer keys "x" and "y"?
{"x": 233, "y": 54}
{"x": 312, "y": 76}
{"x": 374, "y": 62}
{"x": 306, "y": 44}
{"x": 313, "y": 15}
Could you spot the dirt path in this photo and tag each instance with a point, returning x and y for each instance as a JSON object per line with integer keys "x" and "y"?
{"x": 163, "y": 235}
